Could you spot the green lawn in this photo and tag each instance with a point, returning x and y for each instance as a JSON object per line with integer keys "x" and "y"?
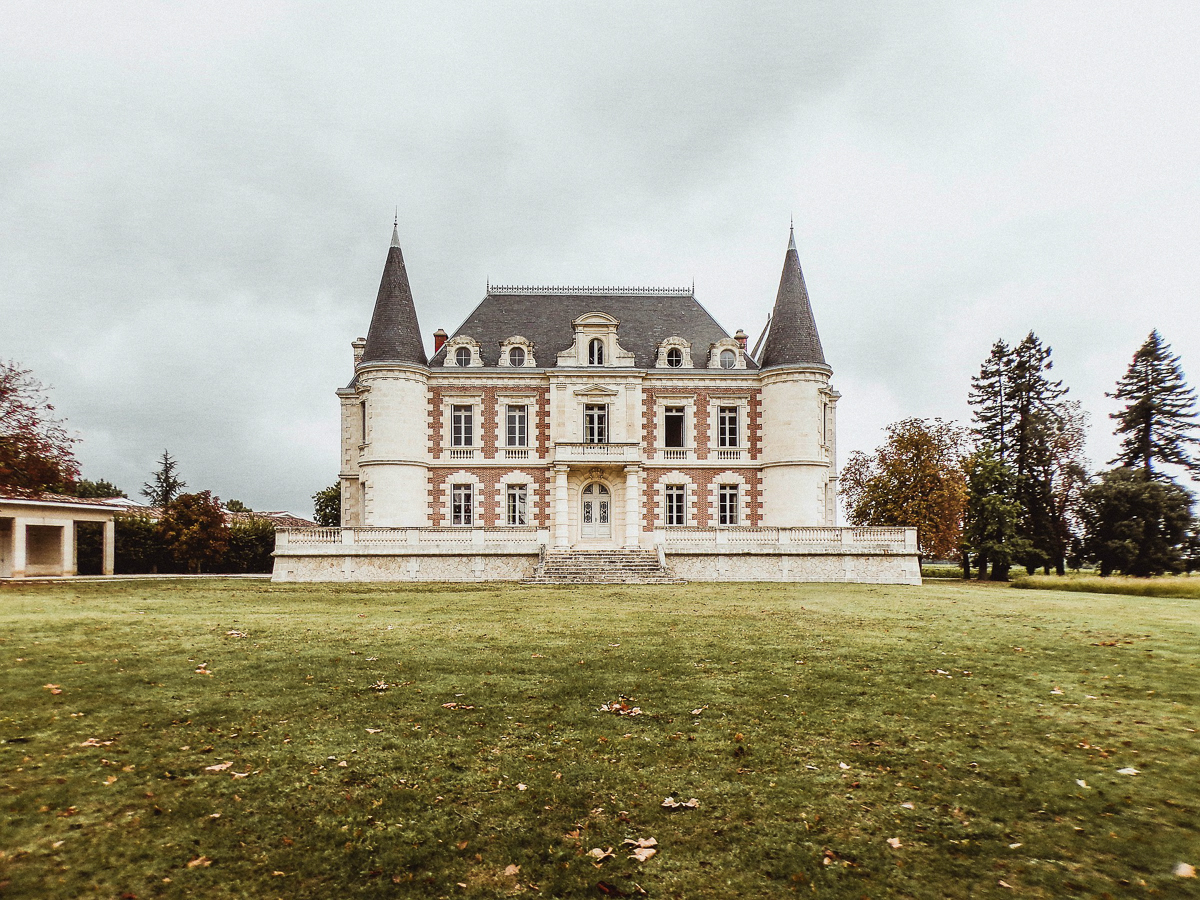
{"x": 842, "y": 741}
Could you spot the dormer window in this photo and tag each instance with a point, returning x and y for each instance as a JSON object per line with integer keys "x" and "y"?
{"x": 674, "y": 358}
{"x": 595, "y": 352}
{"x": 462, "y": 357}
{"x": 516, "y": 356}
{"x": 728, "y": 359}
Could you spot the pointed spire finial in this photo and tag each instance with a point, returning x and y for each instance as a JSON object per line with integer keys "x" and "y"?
{"x": 396, "y": 229}
{"x": 791, "y": 233}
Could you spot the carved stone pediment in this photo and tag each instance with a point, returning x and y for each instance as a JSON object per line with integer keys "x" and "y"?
{"x": 597, "y": 390}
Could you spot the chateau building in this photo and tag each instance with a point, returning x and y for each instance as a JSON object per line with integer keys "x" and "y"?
{"x": 589, "y": 419}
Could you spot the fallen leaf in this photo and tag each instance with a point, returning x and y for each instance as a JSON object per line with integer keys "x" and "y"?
{"x": 111, "y": 779}
{"x": 58, "y": 844}
{"x": 278, "y": 874}
{"x": 236, "y": 633}
{"x": 600, "y": 855}
{"x": 53, "y": 688}
{"x": 200, "y": 862}
{"x": 1128, "y": 770}
{"x": 96, "y": 742}
{"x": 374, "y": 730}
{"x": 462, "y": 845}
{"x": 642, "y": 853}
{"x": 343, "y": 764}
{"x": 214, "y": 815}
{"x": 842, "y": 765}
{"x": 1015, "y": 846}
{"x": 907, "y": 806}
{"x": 640, "y": 842}
{"x": 1004, "y": 884}
{"x": 1056, "y": 691}
{"x": 380, "y": 686}
{"x": 1183, "y": 870}
{"x": 512, "y": 870}
{"x": 219, "y": 767}
{"x": 522, "y": 787}
{"x": 672, "y": 803}
{"x": 1081, "y": 782}
{"x": 537, "y": 656}
{"x": 610, "y": 890}
{"x": 894, "y": 843}
{"x": 240, "y": 774}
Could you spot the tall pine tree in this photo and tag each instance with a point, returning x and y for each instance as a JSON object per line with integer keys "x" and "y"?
{"x": 1019, "y": 415}
{"x": 165, "y": 485}
{"x": 1159, "y": 418}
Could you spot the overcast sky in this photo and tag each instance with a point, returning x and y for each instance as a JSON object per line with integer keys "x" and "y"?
{"x": 196, "y": 199}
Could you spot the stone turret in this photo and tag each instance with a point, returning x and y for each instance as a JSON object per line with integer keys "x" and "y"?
{"x": 385, "y": 448}
{"x": 798, "y": 449}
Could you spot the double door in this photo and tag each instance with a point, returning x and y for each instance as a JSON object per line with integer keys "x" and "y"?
{"x": 595, "y": 513}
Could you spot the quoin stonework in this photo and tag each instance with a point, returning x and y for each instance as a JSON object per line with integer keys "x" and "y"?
{"x": 591, "y": 434}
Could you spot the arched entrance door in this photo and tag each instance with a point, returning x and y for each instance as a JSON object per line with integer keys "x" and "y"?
{"x": 595, "y": 513}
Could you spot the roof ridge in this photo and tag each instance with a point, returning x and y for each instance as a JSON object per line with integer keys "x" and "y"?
{"x": 590, "y": 290}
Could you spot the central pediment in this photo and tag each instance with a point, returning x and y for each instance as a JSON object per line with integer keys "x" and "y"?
{"x": 596, "y": 390}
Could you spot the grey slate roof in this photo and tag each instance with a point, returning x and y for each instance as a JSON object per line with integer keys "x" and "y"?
{"x": 793, "y": 338}
{"x": 545, "y": 319}
{"x": 395, "y": 335}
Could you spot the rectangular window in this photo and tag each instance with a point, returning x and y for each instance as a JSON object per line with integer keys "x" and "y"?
{"x": 727, "y": 426}
{"x": 673, "y": 426}
{"x": 595, "y": 424}
{"x": 362, "y": 409}
{"x": 461, "y": 426}
{"x": 462, "y": 504}
{"x": 727, "y": 505}
{"x": 675, "y": 500}
{"x": 517, "y": 421}
{"x": 518, "y": 497}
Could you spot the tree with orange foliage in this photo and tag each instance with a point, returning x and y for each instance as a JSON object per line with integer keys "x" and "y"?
{"x": 914, "y": 480}
{"x": 35, "y": 449}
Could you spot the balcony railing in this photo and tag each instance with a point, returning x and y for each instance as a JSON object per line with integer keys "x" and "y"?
{"x": 516, "y": 453}
{"x": 462, "y": 452}
{"x": 578, "y": 451}
{"x": 817, "y": 539}
{"x": 729, "y": 454}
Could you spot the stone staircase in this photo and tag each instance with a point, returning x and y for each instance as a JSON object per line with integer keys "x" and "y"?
{"x": 601, "y": 567}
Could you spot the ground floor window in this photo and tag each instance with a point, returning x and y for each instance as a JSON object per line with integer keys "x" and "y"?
{"x": 727, "y": 504}
{"x": 462, "y": 504}
{"x": 518, "y": 501}
{"x": 675, "y": 500}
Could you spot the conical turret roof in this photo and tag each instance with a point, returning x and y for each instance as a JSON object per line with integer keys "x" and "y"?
{"x": 395, "y": 335}
{"x": 792, "y": 339}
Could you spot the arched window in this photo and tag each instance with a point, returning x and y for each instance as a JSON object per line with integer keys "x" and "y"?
{"x": 516, "y": 357}
{"x": 462, "y": 356}
{"x": 595, "y": 352}
{"x": 728, "y": 359}
{"x": 674, "y": 357}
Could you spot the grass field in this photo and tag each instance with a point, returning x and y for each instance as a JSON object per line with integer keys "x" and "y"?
{"x": 954, "y": 740}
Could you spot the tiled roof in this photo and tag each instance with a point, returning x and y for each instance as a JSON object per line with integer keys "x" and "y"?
{"x": 544, "y": 316}
{"x": 792, "y": 339}
{"x": 395, "y": 335}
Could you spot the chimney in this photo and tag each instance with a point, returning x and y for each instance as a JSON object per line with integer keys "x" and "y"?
{"x": 359, "y": 346}
{"x": 439, "y": 338}
{"x": 741, "y": 337}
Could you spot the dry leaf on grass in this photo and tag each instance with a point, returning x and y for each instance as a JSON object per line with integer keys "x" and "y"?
{"x": 642, "y": 848}
{"x": 235, "y": 633}
{"x": 907, "y": 806}
{"x": 219, "y": 767}
{"x": 53, "y": 688}
{"x": 111, "y": 779}
{"x": 1128, "y": 770}
{"x": 1081, "y": 782}
{"x": 512, "y": 870}
{"x": 894, "y": 843}
{"x": 200, "y": 862}
{"x": 380, "y": 686}
{"x": 1183, "y": 870}
{"x": 621, "y": 708}
{"x": 96, "y": 742}
{"x": 600, "y": 855}
{"x": 453, "y": 705}
{"x": 672, "y": 803}
{"x": 842, "y": 765}
{"x": 374, "y": 730}
{"x": 522, "y": 787}
{"x": 1004, "y": 884}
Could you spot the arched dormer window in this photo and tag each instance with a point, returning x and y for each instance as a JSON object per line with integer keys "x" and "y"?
{"x": 728, "y": 359}
{"x": 462, "y": 357}
{"x": 675, "y": 358}
{"x": 595, "y": 352}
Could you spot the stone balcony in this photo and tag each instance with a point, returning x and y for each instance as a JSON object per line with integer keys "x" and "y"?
{"x": 579, "y": 452}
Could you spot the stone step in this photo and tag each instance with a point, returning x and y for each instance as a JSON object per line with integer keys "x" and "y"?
{"x": 615, "y": 566}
